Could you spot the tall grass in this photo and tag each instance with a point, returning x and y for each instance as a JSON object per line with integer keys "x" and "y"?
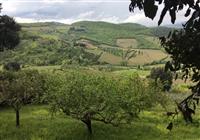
{"x": 38, "y": 124}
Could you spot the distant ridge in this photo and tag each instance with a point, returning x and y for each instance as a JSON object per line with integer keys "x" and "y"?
{"x": 178, "y": 25}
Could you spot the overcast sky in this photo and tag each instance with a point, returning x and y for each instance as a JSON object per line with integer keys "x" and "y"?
{"x": 69, "y": 11}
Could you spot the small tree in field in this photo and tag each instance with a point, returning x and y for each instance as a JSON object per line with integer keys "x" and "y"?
{"x": 95, "y": 97}
{"x": 127, "y": 55}
{"x": 160, "y": 75}
{"x": 19, "y": 88}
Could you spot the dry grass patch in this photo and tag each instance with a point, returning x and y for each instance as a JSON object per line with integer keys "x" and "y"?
{"x": 110, "y": 58}
{"x": 147, "y": 56}
{"x": 127, "y": 43}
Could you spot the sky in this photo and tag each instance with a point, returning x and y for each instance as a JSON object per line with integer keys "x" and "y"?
{"x": 70, "y": 11}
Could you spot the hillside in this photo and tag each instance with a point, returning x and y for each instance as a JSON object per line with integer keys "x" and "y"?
{"x": 86, "y": 43}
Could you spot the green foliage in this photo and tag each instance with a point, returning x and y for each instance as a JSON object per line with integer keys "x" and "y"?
{"x": 46, "y": 51}
{"x": 182, "y": 45}
{"x": 20, "y": 88}
{"x": 160, "y": 75}
{"x": 161, "y": 31}
{"x": 106, "y": 33}
{"x": 114, "y": 51}
{"x": 37, "y": 124}
{"x": 127, "y": 55}
{"x": 87, "y": 97}
{"x": 44, "y": 44}
{"x": 9, "y": 33}
{"x": 184, "y": 49}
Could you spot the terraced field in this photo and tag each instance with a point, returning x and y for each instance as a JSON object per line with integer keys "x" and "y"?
{"x": 144, "y": 56}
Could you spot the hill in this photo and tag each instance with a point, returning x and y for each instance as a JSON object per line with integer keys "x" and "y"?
{"x": 86, "y": 43}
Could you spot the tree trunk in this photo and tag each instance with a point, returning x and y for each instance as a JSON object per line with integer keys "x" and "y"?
{"x": 88, "y": 123}
{"x": 89, "y": 126}
{"x": 17, "y": 118}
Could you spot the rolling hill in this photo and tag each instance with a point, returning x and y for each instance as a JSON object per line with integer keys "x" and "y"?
{"x": 86, "y": 43}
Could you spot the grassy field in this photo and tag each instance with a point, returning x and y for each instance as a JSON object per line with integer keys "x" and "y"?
{"x": 38, "y": 124}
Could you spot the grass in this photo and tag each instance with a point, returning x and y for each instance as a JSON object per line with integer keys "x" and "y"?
{"x": 44, "y": 68}
{"x": 142, "y": 73}
{"x": 37, "y": 124}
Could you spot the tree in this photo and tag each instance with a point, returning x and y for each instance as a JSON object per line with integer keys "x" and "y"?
{"x": 96, "y": 97}
{"x": 182, "y": 45}
{"x": 160, "y": 75}
{"x": 9, "y": 32}
{"x": 127, "y": 55}
{"x": 20, "y": 88}
{"x": 184, "y": 48}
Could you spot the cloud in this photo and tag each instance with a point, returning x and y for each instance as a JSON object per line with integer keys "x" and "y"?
{"x": 69, "y": 11}
{"x": 135, "y": 18}
{"x": 86, "y": 15}
{"x": 25, "y": 20}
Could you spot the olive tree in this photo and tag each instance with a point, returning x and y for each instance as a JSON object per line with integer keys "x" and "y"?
{"x": 20, "y": 88}
{"x": 98, "y": 97}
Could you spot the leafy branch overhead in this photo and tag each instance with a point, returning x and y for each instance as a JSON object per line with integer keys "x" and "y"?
{"x": 150, "y": 8}
{"x": 0, "y": 7}
{"x": 182, "y": 45}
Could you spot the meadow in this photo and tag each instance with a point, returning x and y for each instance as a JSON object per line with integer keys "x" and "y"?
{"x": 38, "y": 124}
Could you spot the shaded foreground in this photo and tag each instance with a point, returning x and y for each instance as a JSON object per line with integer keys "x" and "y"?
{"x": 38, "y": 124}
